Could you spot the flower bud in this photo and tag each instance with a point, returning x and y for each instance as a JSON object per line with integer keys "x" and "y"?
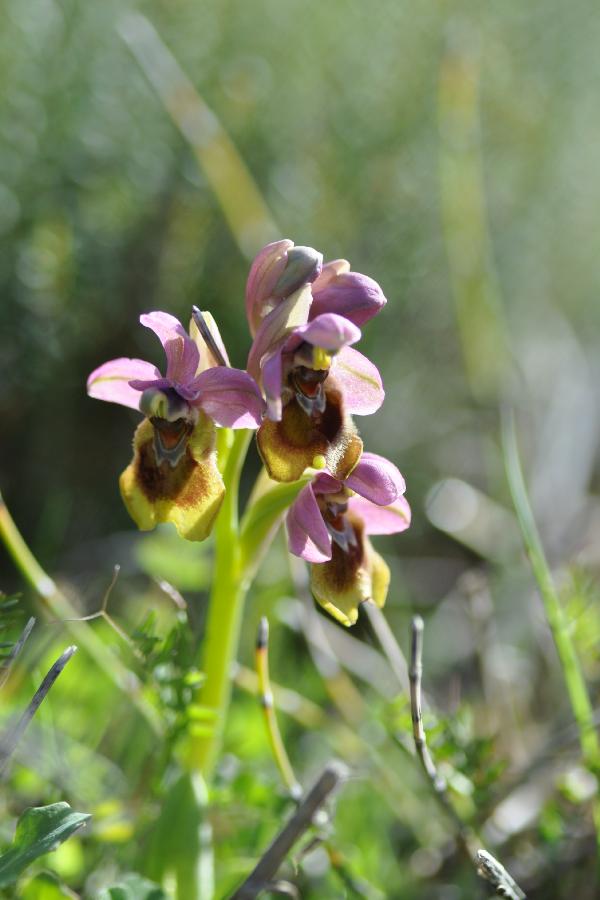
{"x": 264, "y": 274}
{"x": 303, "y": 266}
{"x": 278, "y": 271}
{"x": 338, "y": 290}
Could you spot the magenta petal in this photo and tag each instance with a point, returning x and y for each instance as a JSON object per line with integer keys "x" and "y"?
{"x": 272, "y": 375}
{"x": 307, "y": 533}
{"x": 288, "y": 315}
{"x": 381, "y": 519}
{"x": 230, "y": 397}
{"x": 265, "y": 271}
{"x": 350, "y": 294}
{"x": 181, "y": 351}
{"x": 324, "y": 483}
{"x": 111, "y": 381}
{"x": 376, "y": 479}
{"x": 142, "y": 384}
{"x": 359, "y": 380}
{"x": 329, "y": 331}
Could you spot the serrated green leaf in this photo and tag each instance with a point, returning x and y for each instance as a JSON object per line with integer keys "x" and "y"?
{"x": 40, "y": 830}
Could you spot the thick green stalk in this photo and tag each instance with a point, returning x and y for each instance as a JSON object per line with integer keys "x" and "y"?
{"x": 229, "y": 588}
{"x": 557, "y": 620}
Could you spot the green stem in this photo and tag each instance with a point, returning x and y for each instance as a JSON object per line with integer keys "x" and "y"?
{"x": 557, "y": 620}
{"x": 229, "y": 589}
{"x": 59, "y": 605}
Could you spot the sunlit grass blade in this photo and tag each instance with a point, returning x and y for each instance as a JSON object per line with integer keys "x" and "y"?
{"x": 478, "y": 303}
{"x": 241, "y": 202}
{"x": 555, "y": 614}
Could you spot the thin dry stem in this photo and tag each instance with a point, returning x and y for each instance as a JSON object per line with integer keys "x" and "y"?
{"x": 266, "y": 700}
{"x": 10, "y": 740}
{"x": 302, "y": 819}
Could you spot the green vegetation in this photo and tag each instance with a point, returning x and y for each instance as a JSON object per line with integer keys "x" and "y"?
{"x": 451, "y": 153}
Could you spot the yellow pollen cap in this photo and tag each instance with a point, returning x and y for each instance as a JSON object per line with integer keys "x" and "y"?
{"x": 321, "y": 359}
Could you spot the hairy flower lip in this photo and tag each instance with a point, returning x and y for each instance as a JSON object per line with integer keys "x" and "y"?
{"x": 188, "y": 493}
{"x": 291, "y": 444}
{"x": 350, "y": 578}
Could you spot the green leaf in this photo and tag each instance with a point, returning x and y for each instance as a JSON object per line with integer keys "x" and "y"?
{"x": 132, "y": 887}
{"x": 164, "y": 555}
{"x": 181, "y": 841}
{"x": 46, "y": 886}
{"x": 263, "y": 516}
{"x": 39, "y": 830}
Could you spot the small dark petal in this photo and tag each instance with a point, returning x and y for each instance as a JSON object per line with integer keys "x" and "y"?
{"x": 207, "y": 336}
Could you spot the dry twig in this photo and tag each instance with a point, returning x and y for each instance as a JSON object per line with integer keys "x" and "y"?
{"x": 265, "y": 870}
{"x": 494, "y": 872}
{"x": 12, "y": 738}
{"x": 14, "y": 653}
{"x": 487, "y": 867}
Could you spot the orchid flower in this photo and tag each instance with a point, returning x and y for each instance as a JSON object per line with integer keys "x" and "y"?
{"x": 328, "y": 524}
{"x": 308, "y": 417}
{"x": 346, "y": 302}
{"x": 305, "y": 317}
{"x": 173, "y": 476}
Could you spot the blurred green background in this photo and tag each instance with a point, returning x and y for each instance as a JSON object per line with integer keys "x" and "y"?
{"x": 448, "y": 150}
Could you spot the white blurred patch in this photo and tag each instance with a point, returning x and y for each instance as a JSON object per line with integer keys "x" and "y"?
{"x": 472, "y": 518}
